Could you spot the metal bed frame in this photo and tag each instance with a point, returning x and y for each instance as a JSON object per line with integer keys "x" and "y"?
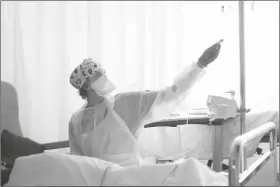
{"x": 238, "y": 174}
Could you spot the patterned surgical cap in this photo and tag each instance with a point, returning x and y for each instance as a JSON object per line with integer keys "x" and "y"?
{"x": 87, "y": 72}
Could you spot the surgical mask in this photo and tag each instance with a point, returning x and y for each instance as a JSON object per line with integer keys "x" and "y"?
{"x": 103, "y": 86}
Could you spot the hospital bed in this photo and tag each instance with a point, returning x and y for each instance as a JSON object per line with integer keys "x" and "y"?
{"x": 237, "y": 175}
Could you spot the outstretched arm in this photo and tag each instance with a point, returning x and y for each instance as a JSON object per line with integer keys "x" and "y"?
{"x": 138, "y": 108}
{"x": 170, "y": 97}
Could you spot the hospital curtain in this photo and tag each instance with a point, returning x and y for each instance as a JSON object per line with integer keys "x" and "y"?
{"x": 142, "y": 45}
{"x": 41, "y": 43}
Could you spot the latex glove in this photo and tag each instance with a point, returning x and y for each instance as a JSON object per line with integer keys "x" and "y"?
{"x": 209, "y": 55}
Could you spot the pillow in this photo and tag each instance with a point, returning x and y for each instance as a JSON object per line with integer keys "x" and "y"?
{"x": 14, "y": 146}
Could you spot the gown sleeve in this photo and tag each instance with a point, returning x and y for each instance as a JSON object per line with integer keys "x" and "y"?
{"x": 170, "y": 97}
{"x": 74, "y": 147}
{"x": 140, "y": 108}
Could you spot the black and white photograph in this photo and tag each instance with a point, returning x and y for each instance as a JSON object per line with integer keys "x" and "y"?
{"x": 139, "y": 93}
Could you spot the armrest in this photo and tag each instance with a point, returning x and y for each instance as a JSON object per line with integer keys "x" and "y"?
{"x": 56, "y": 145}
{"x": 5, "y": 175}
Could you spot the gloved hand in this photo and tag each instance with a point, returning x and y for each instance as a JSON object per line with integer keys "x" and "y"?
{"x": 209, "y": 55}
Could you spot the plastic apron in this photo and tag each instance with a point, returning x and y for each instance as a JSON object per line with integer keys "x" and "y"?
{"x": 111, "y": 140}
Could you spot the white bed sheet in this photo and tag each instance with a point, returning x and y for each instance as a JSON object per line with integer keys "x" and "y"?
{"x": 68, "y": 170}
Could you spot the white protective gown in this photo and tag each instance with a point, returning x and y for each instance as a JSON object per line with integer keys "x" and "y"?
{"x": 109, "y": 131}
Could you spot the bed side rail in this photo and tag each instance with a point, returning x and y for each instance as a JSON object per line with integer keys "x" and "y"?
{"x": 237, "y": 175}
